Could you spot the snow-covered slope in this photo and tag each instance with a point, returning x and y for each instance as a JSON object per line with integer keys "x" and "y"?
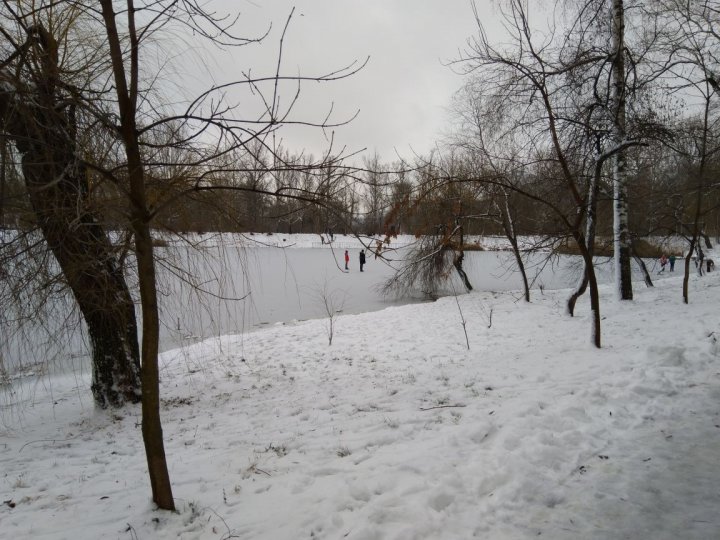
{"x": 398, "y": 431}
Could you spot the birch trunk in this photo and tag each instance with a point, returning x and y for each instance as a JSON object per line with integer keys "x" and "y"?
{"x": 622, "y": 248}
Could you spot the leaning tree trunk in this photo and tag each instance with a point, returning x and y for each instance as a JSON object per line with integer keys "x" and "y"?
{"x": 620, "y": 198}
{"x": 590, "y": 230}
{"x": 578, "y": 292}
{"x": 644, "y": 270}
{"x": 521, "y": 267}
{"x": 458, "y": 264}
{"x": 706, "y": 238}
{"x": 39, "y": 120}
{"x": 86, "y": 259}
{"x": 458, "y": 259}
{"x": 593, "y": 285}
{"x": 509, "y": 228}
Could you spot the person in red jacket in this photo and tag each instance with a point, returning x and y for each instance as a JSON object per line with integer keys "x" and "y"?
{"x": 347, "y": 259}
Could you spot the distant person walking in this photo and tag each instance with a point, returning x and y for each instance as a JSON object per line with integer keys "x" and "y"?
{"x": 362, "y": 259}
{"x": 347, "y": 259}
{"x": 672, "y": 263}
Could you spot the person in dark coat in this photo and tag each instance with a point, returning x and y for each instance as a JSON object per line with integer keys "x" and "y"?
{"x": 672, "y": 263}
{"x": 362, "y": 259}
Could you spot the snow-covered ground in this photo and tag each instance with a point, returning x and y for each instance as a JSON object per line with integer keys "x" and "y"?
{"x": 398, "y": 431}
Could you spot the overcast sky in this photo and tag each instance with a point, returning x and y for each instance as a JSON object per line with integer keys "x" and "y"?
{"x": 404, "y": 91}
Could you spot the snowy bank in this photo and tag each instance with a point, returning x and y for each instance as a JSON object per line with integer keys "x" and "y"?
{"x": 398, "y": 431}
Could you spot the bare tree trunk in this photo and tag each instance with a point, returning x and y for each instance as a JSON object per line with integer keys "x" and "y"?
{"x": 458, "y": 262}
{"x": 589, "y": 280}
{"x": 3, "y": 171}
{"x": 521, "y": 268}
{"x": 509, "y": 228}
{"x": 706, "y": 238}
{"x": 127, "y": 104}
{"x": 686, "y": 275}
{"x": 578, "y": 292}
{"x": 594, "y": 305}
{"x": 644, "y": 270}
{"x": 592, "y": 283}
{"x": 94, "y": 277}
{"x": 621, "y": 227}
{"x": 590, "y": 229}
{"x": 40, "y": 123}
{"x": 151, "y": 424}
{"x": 696, "y": 229}
{"x": 695, "y": 238}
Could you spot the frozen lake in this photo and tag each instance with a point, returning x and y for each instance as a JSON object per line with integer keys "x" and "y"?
{"x": 228, "y": 289}
{"x": 285, "y": 285}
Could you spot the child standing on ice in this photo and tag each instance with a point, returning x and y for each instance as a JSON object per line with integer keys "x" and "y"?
{"x": 663, "y": 262}
{"x": 362, "y": 259}
{"x": 347, "y": 259}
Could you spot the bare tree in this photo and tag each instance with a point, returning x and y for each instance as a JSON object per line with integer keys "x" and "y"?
{"x": 375, "y": 185}
{"x": 690, "y": 51}
{"x": 441, "y": 206}
{"x": 126, "y": 36}
{"x": 332, "y": 303}
{"x": 477, "y": 128}
{"x": 508, "y": 220}
{"x": 531, "y": 80}
{"x": 42, "y": 76}
{"x": 144, "y": 157}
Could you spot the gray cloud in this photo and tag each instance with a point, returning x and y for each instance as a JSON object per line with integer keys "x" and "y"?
{"x": 403, "y": 92}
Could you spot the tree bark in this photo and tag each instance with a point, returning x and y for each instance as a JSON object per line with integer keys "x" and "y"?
{"x": 39, "y": 121}
{"x": 622, "y": 249}
{"x": 686, "y": 274}
{"x": 592, "y": 283}
{"x": 578, "y": 292}
{"x": 458, "y": 264}
{"x": 127, "y": 104}
{"x": 708, "y": 243}
{"x": 509, "y": 228}
{"x": 643, "y": 268}
{"x": 590, "y": 229}
{"x": 458, "y": 259}
{"x": 96, "y": 280}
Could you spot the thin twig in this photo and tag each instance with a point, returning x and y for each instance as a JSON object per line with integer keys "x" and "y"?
{"x": 442, "y": 407}
{"x": 45, "y": 440}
